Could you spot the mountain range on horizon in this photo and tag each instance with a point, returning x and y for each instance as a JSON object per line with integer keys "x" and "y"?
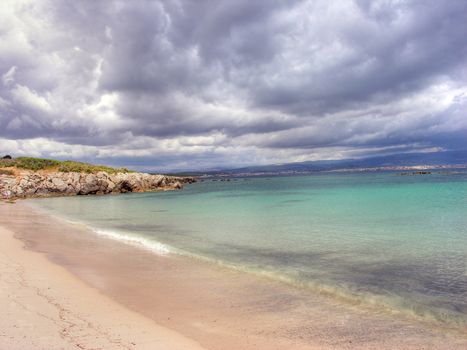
{"x": 394, "y": 160}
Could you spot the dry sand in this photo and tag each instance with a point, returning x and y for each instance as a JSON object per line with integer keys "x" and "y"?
{"x": 218, "y": 308}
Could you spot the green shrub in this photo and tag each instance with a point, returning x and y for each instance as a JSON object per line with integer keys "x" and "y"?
{"x": 5, "y": 163}
{"x": 70, "y": 166}
{"x": 35, "y": 164}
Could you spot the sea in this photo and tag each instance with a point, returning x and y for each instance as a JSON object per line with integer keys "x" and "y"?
{"x": 383, "y": 241}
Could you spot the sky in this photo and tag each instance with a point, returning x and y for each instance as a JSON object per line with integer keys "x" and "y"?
{"x": 183, "y": 84}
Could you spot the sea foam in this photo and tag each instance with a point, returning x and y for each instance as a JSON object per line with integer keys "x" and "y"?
{"x": 142, "y": 242}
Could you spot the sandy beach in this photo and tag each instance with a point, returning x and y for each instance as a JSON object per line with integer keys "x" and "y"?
{"x": 46, "y": 307}
{"x": 72, "y": 289}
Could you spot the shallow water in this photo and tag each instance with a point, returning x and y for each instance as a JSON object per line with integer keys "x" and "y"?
{"x": 391, "y": 242}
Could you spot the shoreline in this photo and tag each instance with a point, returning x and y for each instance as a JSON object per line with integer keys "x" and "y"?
{"x": 392, "y": 305}
{"x": 370, "y": 302}
{"x": 217, "y": 308}
{"x": 44, "y": 306}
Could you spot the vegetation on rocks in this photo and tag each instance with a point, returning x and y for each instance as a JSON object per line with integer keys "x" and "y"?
{"x": 70, "y": 166}
{"x": 35, "y": 164}
{"x": 37, "y": 177}
{"x": 31, "y": 163}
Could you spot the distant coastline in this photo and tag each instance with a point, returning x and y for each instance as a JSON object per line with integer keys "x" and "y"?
{"x": 443, "y": 161}
{"x": 402, "y": 168}
{"x": 414, "y": 168}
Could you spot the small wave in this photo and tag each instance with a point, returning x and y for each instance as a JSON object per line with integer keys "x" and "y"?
{"x": 395, "y": 305}
{"x": 379, "y": 303}
{"x": 154, "y": 246}
{"x": 139, "y": 241}
{"x": 73, "y": 222}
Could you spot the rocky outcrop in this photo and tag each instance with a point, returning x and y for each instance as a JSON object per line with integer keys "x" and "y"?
{"x": 72, "y": 183}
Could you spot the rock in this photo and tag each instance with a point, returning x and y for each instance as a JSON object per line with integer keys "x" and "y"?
{"x": 59, "y": 184}
{"x": 6, "y": 194}
{"x": 68, "y": 184}
{"x": 177, "y": 185}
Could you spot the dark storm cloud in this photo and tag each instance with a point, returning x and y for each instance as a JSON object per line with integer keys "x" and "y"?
{"x": 393, "y": 50}
{"x": 256, "y": 80}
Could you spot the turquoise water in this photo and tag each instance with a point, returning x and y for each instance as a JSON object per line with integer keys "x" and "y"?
{"x": 397, "y": 243}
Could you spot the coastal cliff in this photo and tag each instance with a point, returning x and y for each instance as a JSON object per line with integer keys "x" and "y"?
{"x": 18, "y": 182}
{"x": 74, "y": 183}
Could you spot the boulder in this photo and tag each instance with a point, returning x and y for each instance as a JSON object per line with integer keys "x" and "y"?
{"x": 59, "y": 184}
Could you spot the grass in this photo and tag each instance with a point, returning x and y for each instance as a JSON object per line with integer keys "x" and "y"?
{"x": 70, "y": 166}
{"x": 6, "y": 172}
{"x": 35, "y": 164}
{"x": 4, "y": 163}
{"x": 29, "y": 163}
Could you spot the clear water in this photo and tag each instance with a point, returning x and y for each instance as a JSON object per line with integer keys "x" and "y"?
{"x": 397, "y": 243}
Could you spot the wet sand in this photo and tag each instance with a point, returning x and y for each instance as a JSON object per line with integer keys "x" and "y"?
{"x": 213, "y": 306}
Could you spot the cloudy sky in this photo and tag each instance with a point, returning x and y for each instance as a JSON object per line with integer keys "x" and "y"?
{"x": 184, "y": 84}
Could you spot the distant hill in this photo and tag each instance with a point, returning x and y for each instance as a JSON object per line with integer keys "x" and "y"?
{"x": 394, "y": 160}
